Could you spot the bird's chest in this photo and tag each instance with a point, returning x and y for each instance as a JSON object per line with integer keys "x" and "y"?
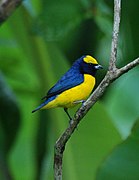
{"x": 83, "y": 90}
{"x": 69, "y": 97}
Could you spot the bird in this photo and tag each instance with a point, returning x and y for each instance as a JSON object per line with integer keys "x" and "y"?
{"x": 73, "y": 87}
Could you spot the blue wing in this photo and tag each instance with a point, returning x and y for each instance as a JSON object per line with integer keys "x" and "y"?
{"x": 71, "y": 79}
{"x": 67, "y": 81}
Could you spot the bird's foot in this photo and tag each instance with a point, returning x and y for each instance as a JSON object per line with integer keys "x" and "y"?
{"x": 79, "y": 101}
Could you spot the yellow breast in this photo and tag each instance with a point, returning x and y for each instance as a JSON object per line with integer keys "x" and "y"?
{"x": 69, "y": 97}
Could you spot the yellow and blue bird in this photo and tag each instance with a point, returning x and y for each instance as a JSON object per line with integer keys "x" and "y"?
{"x": 74, "y": 87}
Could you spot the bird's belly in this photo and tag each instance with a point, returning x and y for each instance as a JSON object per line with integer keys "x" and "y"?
{"x": 74, "y": 95}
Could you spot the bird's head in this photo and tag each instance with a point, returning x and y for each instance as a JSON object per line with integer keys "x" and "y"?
{"x": 89, "y": 65}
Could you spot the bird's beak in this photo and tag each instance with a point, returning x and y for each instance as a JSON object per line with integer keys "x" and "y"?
{"x": 98, "y": 66}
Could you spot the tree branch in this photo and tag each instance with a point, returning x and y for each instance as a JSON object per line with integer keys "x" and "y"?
{"x": 116, "y": 24}
{"x": 112, "y": 74}
{"x": 7, "y": 7}
{"x": 129, "y": 66}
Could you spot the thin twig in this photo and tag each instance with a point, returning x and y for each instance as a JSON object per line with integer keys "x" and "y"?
{"x": 112, "y": 74}
{"x": 129, "y": 66}
{"x": 115, "y": 34}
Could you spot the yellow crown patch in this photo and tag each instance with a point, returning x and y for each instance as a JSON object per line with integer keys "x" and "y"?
{"x": 90, "y": 59}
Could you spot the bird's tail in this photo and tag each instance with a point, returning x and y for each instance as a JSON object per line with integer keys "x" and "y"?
{"x": 39, "y": 107}
{"x": 44, "y": 103}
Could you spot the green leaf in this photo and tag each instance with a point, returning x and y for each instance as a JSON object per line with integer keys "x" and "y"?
{"x": 123, "y": 162}
{"x": 9, "y": 115}
{"x": 9, "y": 125}
{"x": 58, "y": 18}
{"x": 103, "y": 17}
{"x": 123, "y": 102}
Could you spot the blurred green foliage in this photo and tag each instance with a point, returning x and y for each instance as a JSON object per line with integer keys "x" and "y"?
{"x": 38, "y": 43}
